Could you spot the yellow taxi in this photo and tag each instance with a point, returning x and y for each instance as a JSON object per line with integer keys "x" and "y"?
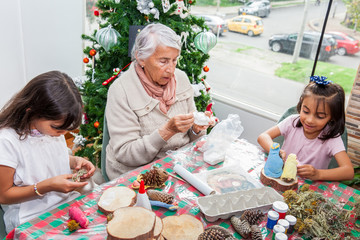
{"x": 247, "y": 24}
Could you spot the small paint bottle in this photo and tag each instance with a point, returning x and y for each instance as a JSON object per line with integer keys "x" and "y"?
{"x": 281, "y": 236}
{"x": 292, "y": 221}
{"x": 281, "y": 208}
{"x": 277, "y": 229}
{"x": 284, "y": 223}
{"x": 272, "y": 219}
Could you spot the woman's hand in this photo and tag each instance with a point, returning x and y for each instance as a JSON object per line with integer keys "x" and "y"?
{"x": 78, "y": 163}
{"x": 308, "y": 171}
{"x": 177, "y": 124}
{"x": 198, "y": 128}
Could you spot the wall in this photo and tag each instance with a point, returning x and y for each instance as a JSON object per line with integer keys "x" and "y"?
{"x": 38, "y": 36}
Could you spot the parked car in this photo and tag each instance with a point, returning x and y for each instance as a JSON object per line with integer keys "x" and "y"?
{"x": 247, "y": 24}
{"x": 256, "y": 8}
{"x": 215, "y": 23}
{"x": 347, "y": 45}
{"x": 286, "y": 43}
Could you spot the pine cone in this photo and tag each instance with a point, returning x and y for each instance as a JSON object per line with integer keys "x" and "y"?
{"x": 216, "y": 233}
{"x": 241, "y": 226}
{"x": 160, "y": 196}
{"x": 256, "y": 233}
{"x": 253, "y": 217}
{"x": 155, "y": 177}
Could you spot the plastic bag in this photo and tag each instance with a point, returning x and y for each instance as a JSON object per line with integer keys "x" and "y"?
{"x": 220, "y": 139}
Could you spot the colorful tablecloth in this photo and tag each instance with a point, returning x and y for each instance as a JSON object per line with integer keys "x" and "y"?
{"x": 53, "y": 224}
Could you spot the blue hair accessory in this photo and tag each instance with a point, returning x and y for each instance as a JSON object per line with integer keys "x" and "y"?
{"x": 320, "y": 80}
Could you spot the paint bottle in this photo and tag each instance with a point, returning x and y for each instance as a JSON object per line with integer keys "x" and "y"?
{"x": 272, "y": 219}
{"x": 292, "y": 221}
{"x": 277, "y": 229}
{"x": 284, "y": 223}
{"x": 281, "y": 208}
{"x": 281, "y": 236}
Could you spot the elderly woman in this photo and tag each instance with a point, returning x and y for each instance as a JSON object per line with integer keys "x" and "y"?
{"x": 150, "y": 107}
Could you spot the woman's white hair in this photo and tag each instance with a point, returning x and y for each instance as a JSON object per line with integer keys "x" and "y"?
{"x": 152, "y": 36}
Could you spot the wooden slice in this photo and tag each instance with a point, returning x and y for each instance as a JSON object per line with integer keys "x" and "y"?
{"x": 277, "y": 183}
{"x": 181, "y": 227}
{"x": 131, "y": 223}
{"x": 158, "y": 228}
{"x": 116, "y": 197}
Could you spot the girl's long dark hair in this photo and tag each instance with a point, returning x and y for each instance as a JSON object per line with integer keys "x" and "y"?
{"x": 51, "y": 96}
{"x": 333, "y": 95}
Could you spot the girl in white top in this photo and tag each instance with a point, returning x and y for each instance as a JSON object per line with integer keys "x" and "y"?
{"x": 35, "y": 167}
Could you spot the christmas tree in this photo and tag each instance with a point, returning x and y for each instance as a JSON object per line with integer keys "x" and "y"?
{"x": 108, "y": 54}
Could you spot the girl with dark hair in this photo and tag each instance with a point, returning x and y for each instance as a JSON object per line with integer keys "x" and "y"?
{"x": 314, "y": 134}
{"x": 35, "y": 166}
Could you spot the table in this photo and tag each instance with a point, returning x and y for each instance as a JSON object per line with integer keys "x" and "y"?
{"x": 53, "y": 224}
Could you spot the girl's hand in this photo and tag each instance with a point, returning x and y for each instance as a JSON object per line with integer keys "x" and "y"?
{"x": 61, "y": 183}
{"x": 197, "y": 128}
{"x": 308, "y": 171}
{"x": 80, "y": 163}
{"x": 283, "y": 155}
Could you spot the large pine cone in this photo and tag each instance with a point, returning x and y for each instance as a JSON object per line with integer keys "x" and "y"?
{"x": 160, "y": 196}
{"x": 241, "y": 226}
{"x": 216, "y": 233}
{"x": 256, "y": 233}
{"x": 156, "y": 177}
{"x": 253, "y": 217}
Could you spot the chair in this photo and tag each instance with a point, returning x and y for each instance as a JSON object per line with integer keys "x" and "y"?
{"x": 280, "y": 139}
{"x": 2, "y": 224}
{"x": 105, "y": 142}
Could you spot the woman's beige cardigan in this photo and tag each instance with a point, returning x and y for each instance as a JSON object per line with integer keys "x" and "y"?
{"x": 133, "y": 119}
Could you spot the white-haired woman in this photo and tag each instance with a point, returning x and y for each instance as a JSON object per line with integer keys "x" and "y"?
{"x": 149, "y": 108}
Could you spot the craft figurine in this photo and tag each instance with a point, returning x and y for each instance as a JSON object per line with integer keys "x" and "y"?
{"x": 290, "y": 169}
{"x": 274, "y": 163}
{"x": 76, "y": 214}
{"x": 171, "y": 207}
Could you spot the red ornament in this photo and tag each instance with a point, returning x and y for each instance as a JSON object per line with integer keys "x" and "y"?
{"x": 92, "y": 52}
{"x": 96, "y": 124}
{"x": 190, "y": 2}
{"x": 86, "y": 60}
{"x": 96, "y": 13}
{"x": 206, "y": 69}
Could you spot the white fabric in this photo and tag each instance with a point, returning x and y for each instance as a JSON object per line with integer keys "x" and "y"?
{"x": 34, "y": 160}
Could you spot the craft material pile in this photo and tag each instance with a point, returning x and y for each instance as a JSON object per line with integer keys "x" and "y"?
{"x": 317, "y": 217}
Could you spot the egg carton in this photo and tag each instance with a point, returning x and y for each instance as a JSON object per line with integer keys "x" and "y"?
{"x": 235, "y": 203}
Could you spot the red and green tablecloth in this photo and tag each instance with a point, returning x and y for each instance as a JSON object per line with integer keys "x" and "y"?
{"x": 53, "y": 224}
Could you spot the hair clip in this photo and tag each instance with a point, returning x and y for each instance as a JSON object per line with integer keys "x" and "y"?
{"x": 320, "y": 80}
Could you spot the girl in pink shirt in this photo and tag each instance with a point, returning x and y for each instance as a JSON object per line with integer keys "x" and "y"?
{"x": 314, "y": 134}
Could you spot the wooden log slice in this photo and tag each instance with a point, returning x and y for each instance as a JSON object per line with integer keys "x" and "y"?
{"x": 158, "y": 228}
{"x": 277, "y": 183}
{"x": 116, "y": 197}
{"x": 131, "y": 223}
{"x": 181, "y": 227}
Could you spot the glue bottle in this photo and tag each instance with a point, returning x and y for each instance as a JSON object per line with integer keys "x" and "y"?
{"x": 142, "y": 199}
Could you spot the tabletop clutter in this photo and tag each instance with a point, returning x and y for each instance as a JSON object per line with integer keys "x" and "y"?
{"x": 229, "y": 193}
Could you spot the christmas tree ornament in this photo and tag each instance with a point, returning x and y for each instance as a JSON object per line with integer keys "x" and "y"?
{"x": 86, "y": 60}
{"x": 92, "y": 52}
{"x": 106, "y": 82}
{"x": 146, "y": 7}
{"x": 205, "y": 41}
{"x": 96, "y": 13}
{"x": 107, "y": 37}
{"x": 96, "y": 124}
{"x": 206, "y": 69}
{"x": 183, "y": 37}
{"x": 180, "y": 10}
{"x": 241, "y": 226}
{"x": 197, "y": 88}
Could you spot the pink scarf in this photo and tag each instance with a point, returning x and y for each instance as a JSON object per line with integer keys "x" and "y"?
{"x": 165, "y": 94}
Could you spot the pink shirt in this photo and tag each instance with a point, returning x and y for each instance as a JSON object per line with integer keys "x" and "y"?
{"x": 315, "y": 152}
